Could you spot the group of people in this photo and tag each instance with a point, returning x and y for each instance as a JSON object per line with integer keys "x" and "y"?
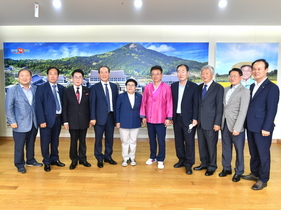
{"x": 207, "y": 108}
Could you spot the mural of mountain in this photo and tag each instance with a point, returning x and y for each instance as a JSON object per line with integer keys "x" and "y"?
{"x": 133, "y": 58}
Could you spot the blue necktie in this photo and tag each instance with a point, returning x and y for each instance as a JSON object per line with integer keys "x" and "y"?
{"x": 107, "y": 98}
{"x": 56, "y": 97}
{"x": 204, "y": 91}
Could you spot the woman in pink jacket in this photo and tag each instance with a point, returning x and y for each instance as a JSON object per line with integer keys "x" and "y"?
{"x": 156, "y": 111}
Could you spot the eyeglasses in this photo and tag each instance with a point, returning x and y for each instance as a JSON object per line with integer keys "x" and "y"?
{"x": 79, "y": 77}
{"x": 233, "y": 76}
{"x": 131, "y": 85}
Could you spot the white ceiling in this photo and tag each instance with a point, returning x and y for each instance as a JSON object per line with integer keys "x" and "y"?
{"x": 153, "y": 12}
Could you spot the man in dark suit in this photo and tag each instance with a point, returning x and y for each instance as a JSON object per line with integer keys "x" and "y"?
{"x": 185, "y": 114}
{"x": 49, "y": 117}
{"x": 102, "y": 107}
{"x": 20, "y": 112}
{"x": 260, "y": 123}
{"x": 209, "y": 120}
{"x": 76, "y": 118}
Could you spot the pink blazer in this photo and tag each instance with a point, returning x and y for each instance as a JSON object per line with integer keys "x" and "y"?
{"x": 157, "y": 106}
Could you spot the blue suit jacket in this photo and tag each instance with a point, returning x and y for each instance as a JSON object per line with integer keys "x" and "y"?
{"x": 18, "y": 109}
{"x": 189, "y": 103}
{"x": 98, "y": 104}
{"x": 127, "y": 116}
{"x": 263, "y": 107}
{"x": 46, "y": 105}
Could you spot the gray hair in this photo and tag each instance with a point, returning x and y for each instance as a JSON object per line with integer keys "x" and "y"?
{"x": 208, "y": 67}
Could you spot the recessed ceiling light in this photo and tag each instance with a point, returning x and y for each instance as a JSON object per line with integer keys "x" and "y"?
{"x": 138, "y": 3}
{"x": 222, "y": 3}
{"x": 57, "y": 3}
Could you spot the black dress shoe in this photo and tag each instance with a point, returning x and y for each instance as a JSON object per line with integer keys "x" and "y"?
{"x": 209, "y": 173}
{"x": 22, "y": 170}
{"x": 251, "y": 177}
{"x": 199, "y": 168}
{"x": 224, "y": 173}
{"x": 179, "y": 164}
{"x": 72, "y": 166}
{"x": 236, "y": 178}
{"x": 110, "y": 161}
{"x": 188, "y": 170}
{"x": 47, "y": 168}
{"x": 100, "y": 163}
{"x": 259, "y": 185}
{"x": 58, "y": 163}
{"x": 85, "y": 163}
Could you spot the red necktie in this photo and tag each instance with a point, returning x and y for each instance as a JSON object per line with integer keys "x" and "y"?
{"x": 78, "y": 95}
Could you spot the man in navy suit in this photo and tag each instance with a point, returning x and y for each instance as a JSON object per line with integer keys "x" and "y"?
{"x": 128, "y": 121}
{"x": 103, "y": 96}
{"x": 76, "y": 118}
{"x": 20, "y": 112}
{"x": 49, "y": 117}
{"x": 185, "y": 113}
{"x": 209, "y": 120}
{"x": 260, "y": 123}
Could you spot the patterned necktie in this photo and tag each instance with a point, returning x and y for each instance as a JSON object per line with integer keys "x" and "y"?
{"x": 204, "y": 91}
{"x": 107, "y": 98}
{"x": 78, "y": 95}
{"x": 56, "y": 97}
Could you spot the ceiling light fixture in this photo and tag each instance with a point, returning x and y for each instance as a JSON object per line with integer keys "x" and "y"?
{"x": 222, "y": 3}
{"x": 57, "y": 4}
{"x": 138, "y": 3}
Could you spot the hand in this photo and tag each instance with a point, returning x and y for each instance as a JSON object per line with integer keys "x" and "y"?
{"x": 216, "y": 128}
{"x": 43, "y": 125}
{"x": 143, "y": 121}
{"x": 66, "y": 126}
{"x": 117, "y": 125}
{"x": 194, "y": 122}
{"x": 265, "y": 133}
{"x": 90, "y": 125}
{"x": 167, "y": 123}
{"x": 14, "y": 125}
{"x": 235, "y": 133}
{"x": 93, "y": 122}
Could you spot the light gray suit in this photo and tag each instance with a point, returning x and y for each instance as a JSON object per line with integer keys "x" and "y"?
{"x": 234, "y": 114}
{"x": 20, "y": 111}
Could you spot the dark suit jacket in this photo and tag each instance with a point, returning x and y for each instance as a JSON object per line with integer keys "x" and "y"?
{"x": 98, "y": 104}
{"x": 45, "y": 104}
{"x": 77, "y": 115}
{"x": 189, "y": 103}
{"x": 263, "y": 107}
{"x": 127, "y": 116}
{"x": 211, "y": 107}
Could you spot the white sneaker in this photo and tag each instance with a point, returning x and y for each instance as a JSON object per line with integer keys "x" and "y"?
{"x": 160, "y": 164}
{"x": 124, "y": 163}
{"x": 150, "y": 161}
{"x": 133, "y": 162}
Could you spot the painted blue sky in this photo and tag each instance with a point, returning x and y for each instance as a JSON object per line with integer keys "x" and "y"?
{"x": 228, "y": 54}
{"x": 48, "y": 50}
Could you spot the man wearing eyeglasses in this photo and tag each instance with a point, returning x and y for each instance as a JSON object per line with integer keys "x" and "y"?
{"x": 76, "y": 118}
{"x": 236, "y": 101}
